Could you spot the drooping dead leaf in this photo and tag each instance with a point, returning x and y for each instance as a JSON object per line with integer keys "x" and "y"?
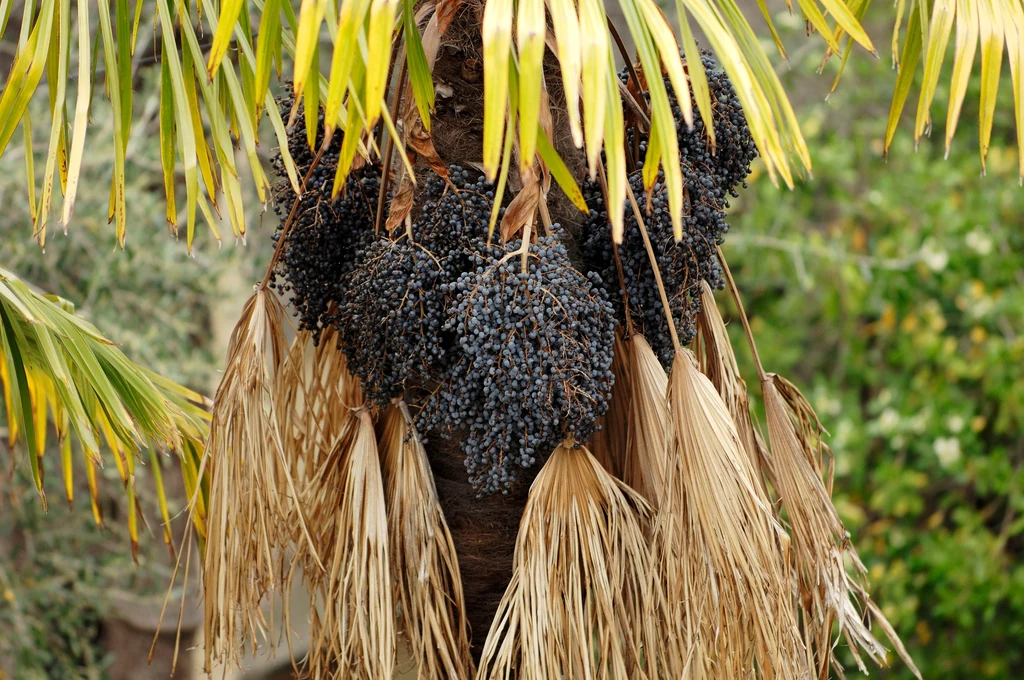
{"x": 446, "y": 12}
{"x": 579, "y": 602}
{"x": 424, "y": 565}
{"x": 719, "y": 553}
{"x": 352, "y": 619}
{"x": 718, "y": 363}
{"x": 522, "y": 209}
{"x": 821, "y": 544}
{"x": 647, "y": 450}
{"x": 400, "y": 206}
{"x": 418, "y": 140}
{"x": 609, "y": 444}
{"x": 253, "y": 510}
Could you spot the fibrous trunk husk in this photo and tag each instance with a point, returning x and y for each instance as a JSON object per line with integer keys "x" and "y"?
{"x": 580, "y": 600}
{"x": 424, "y": 565}
{"x": 821, "y": 545}
{"x": 253, "y": 513}
{"x": 719, "y": 553}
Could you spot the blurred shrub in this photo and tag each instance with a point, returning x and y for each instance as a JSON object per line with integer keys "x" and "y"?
{"x": 893, "y": 294}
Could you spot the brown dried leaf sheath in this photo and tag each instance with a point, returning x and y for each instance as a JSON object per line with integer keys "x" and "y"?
{"x": 647, "y": 451}
{"x": 352, "y": 623}
{"x": 718, "y": 363}
{"x": 821, "y": 543}
{"x": 423, "y": 561}
{"x": 253, "y": 512}
{"x": 580, "y": 599}
{"x": 720, "y": 555}
{"x": 610, "y": 442}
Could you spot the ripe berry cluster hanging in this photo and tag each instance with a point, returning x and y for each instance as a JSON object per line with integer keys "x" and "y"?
{"x": 505, "y": 348}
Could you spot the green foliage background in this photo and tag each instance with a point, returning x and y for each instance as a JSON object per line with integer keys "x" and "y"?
{"x": 170, "y": 313}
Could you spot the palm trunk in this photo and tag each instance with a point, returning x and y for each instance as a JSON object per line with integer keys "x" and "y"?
{"x": 484, "y": 532}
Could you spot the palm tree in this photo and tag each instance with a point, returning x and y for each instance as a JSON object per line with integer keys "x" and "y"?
{"x": 676, "y": 538}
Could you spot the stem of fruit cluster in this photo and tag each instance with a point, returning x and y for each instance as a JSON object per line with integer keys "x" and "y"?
{"x": 526, "y": 245}
{"x": 735, "y": 293}
{"x": 279, "y": 248}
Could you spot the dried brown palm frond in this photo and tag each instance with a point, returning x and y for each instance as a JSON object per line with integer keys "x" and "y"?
{"x": 353, "y": 625}
{"x": 252, "y": 499}
{"x": 718, "y": 363}
{"x": 579, "y": 599}
{"x": 314, "y": 397}
{"x": 795, "y": 463}
{"x": 424, "y": 565}
{"x": 647, "y": 450}
{"x": 720, "y": 554}
{"x": 821, "y": 544}
{"x": 610, "y": 442}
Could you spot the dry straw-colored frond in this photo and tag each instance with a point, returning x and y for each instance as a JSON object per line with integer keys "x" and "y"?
{"x": 720, "y": 554}
{"x": 424, "y": 565}
{"x": 314, "y": 396}
{"x": 579, "y": 600}
{"x": 647, "y": 450}
{"x": 718, "y": 363}
{"x": 352, "y": 623}
{"x": 821, "y": 544}
{"x": 610, "y": 442}
{"x": 252, "y": 511}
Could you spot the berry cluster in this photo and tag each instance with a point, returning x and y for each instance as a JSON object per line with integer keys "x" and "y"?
{"x": 326, "y": 237}
{"x": 391, "y": 316}
{"x": 720, "y": 172}
{"x": 535, "y": 365}
{"x": 709, "y": 179}
{"x": 454, "y": 214}
{"x": 682, "y": 265}
{"x": 390, "y": 319}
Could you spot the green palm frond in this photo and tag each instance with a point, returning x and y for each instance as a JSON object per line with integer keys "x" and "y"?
{"x": 219, "y": 58}
{"x": 993, "y": 27}
{"x": 56, "y": 367}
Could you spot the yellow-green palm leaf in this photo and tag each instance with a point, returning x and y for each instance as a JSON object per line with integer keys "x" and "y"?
{"x": 56, "y": 368}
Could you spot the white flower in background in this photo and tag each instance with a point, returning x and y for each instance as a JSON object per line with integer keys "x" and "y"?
{"x": 955, "y": 423}
{"x": 933, "y": 256}
{"x": 888, "y": 421}
{"x": 919, "y": 423}
{"x": 981, "y": 307}
{"x": 978, "y": 241}
{"x": 841, "y": 437}
{"x": 947, "y": 450}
